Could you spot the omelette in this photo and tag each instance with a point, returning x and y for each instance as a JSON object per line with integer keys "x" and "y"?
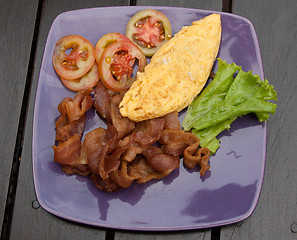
{"x": 177, "y": 72}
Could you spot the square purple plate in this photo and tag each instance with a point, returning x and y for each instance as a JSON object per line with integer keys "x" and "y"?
{"x": 183, "y": 200}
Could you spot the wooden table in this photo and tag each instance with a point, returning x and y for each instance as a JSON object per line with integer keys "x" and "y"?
{"x": 24, "y": 28}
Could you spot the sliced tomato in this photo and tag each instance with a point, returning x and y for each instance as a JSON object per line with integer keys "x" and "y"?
{"x": 87, "y": 81}
{"x": 106, "y": 40}
{"x": 149, "y": 29}
{"x": 115, "y": 65}
{"x": 73, "y": 56}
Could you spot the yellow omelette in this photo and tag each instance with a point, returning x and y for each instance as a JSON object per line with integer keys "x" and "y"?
{"x": 177, "y": 72}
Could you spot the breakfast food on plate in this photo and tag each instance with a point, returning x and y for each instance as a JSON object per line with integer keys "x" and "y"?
{"x": 116, "y": 64}
{"x": 149, "y": 29}
{"x": 73, "y": 60}
{"x": 76, "y": 62}
{"x": 129, "y": 150}
{"x": 69, "y": 130}
{"x": 116, "y": 56}
{"x": 86, "y": 81}
{"x": 143, "y": 139}
{"x": 177, "y": 72}
{"x": 125, "y": 151}
{"x": 106, "y": 40}
{"x": 79, "y": 65}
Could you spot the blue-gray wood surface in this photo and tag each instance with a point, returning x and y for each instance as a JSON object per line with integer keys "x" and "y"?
{"x": 275, "y": 216}
{"x": 16, "y": 35}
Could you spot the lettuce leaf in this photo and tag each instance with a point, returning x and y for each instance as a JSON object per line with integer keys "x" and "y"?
{"x": 226, "y": 98}
{"x": 212, "y": 95}
{"x": 207, "y": 136}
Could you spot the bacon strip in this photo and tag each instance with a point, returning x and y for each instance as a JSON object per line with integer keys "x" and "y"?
{"x": 172, "y": 121}
{"x": 76, "y": 107}
{"x": 160, "y": 161}
{"x": 66, "y": 129}
{"x": 102, "y": 101}
{"x": 143, "y": 172}
{"x": 106, "y": 103}
{"x": 144, "y": 135}
{"x": 121, "y": 177}
{"x": 105, "y": 185}
{"x": 178, "y": 142}
{"x": 68, "y": 152}
{"x": 201, "y": 157}
{"x": 96, "y": 146}
{"x": 69, "y": 130}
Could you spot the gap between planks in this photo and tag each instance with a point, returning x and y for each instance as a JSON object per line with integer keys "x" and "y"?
{"x": 216, "y": 231}
{"x": 10, "y": 199}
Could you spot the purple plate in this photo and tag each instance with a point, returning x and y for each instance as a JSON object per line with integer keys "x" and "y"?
{"x": 228, "y": 193}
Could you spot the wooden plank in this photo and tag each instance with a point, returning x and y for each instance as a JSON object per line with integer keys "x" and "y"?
{"x": 275, "y": 216}
{"x": 184, "y": 235}
{"x": 16, "y": 37}
{"x": 198, "y": 234}
{"x": 29, "y": 220}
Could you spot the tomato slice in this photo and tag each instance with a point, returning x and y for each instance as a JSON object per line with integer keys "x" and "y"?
{"x": 115, "y": 65}
{"x": 87, "y": 81}
{"x": 149, "y": 29}
{"x": 73, "y": 56}
{"x": 105, "y": 41}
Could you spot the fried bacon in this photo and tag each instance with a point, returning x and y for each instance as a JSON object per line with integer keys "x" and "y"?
{"x": 69, "y": 130}
{"x": 179, "y": 142}
{"x": 68, "y": 152}
{"x": 106, "y": 103}
{"x": 76, "y": 107}
{"x": 159, "y": 161}
{"x": 121, "y": 176}
{"x": 94, "y": 149}
{"x": 143, "y": 136}
{"x": 192, "y": 157}
{"x": 143, "y": 172}
{"x": 172, "y": 121}
{"x": 66, "y": 129}
{"x": 105, "y": 185}
{"x": 126, "y": 151}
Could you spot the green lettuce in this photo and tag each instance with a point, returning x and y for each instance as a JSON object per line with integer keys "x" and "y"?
{"x": 207, "y": 136}
{"x": 226, "y": 98}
